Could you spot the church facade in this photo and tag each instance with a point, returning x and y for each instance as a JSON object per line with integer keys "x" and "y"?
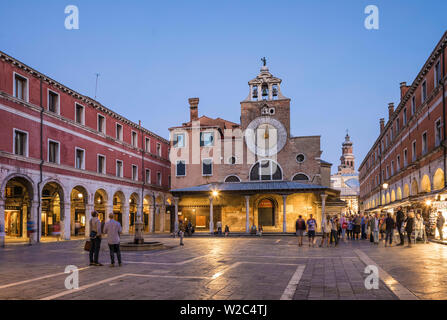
{"x": 249, "y": 173}
{"x": 347, "y": 179}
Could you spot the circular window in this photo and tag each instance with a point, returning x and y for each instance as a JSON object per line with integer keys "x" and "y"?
{"x": 232, "y": 160}
{"x": 300, "y": 158}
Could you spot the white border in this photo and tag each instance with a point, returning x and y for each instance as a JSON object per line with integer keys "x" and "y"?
{"x": 440, "y": 138}
{"x": 297, "y": 157}
{"x": 156, "y": 148}
{"x": 176, "y": 163}
{"x": 184, "y": 140}
{"x": 159, "y": 182}
{"x": 58, "y": 107}
{"x": 14, "y": 142}
{"x": 136, "y": 139}
{"x": 122, "y": 168}
{"x": 148, "y": 150}
{"x": 422, "y": 91}
{"x": 271, "y": 174}
{"x": 104, "y": 123}
{"x": 83, "y": 160}
{"x": 308, "y": 178}
{"x": 414, "y": 151}
{"x": 97, "y": 163}
{"x": 150, "y": 176}
{"x": 58, "y": 161}
{"x": 14, "y": 86}
{"x": 212, "y": 169}
{"x": 136, "y": 176}
{"x": 120, "y": 138}
{"x": 424, "y": 152}
{"x": 232, "y": 175}
{"x": 83, "y": 114}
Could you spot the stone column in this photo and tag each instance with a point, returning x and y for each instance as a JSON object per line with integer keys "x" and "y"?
{"x": 247, "y": 214}
{"x": 125, "y": 215}
{"x": 176, "y": 201}
{"x": 284, "y": 222}
{"x": 162, "y": 217}
{"x": 139, "y": 214}
{"x": 109, "y": 210}
{"x": 34, "y": 214}
{"x": 152, "y": 218}
{"x": 66, "y": 223}
{"x": 323, "y": 207}
{"x": 88, "y": 215}
{"x": 211, "y": 216}
{"x": 2, "y": 223}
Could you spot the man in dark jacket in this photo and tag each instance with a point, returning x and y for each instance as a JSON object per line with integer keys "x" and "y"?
{"x": 389, "y": 229}
{"x": 400, "y": 218}
{"x": 300, "y": 227}
{"x": 440, "y": 221}
{"x": 409, "y": 226}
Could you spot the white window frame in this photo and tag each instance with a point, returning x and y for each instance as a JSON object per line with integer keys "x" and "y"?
{"x": 120, "y": 138}
{"x": 83, "y": 113}
{"x": 438, "y": 139}
{"x": 58, "y": 160}
{"x": 413, "y": 105}
{"x": 14, "y": 86}
{"x": 434, "y": 73}
{"x": 147, "y": 146}
{"x": 122, "y": 168}
{"x": 212, "y": 169}
{"x": 135, "y": 145}
{"x": 392, "y": 168}
{"x": 97, "y": 163}
{"x": 159, "y": 178}
{"x": 146, "y": 176}
{"x": 405, "y": 153}
{"x": 200, "y": 140}
{"x": 135, "y": 178}
{"x": 413, "y": 151}
{"x": 98, "y": 115}
{"x": 422, "y": 91}
{"x": 83, "y": 158}
{"x": 424, "y": 148}
{"x": 58, "y": 108}
{"x": 14, "y": 142}
{"x": 398, "y": 163}
{"x": 184, "y": 140}
{"x": 176, "y": 163}
{"x": 159, "y": 152}
{"x": 404, "y": 118}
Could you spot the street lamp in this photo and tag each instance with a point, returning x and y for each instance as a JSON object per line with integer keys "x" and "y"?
{"x": 215, "y": 193}
{"x": 385, "y": 186}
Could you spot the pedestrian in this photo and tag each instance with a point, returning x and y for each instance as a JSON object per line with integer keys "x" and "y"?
{"x": 350, "y": 228}
{"x": 409, "y": 226}
{"x": 219, "y": 228}
{"x": 382, "y": 227}
{"x": 113, "y": 230}
{"x": 189, "y": 228}
{"x": 95, "y": 238}
{"x": 374, "y": 225}
{"x": 326, "y": 230}
{"x": 57, "y": 230}
{"x": 30, "y": 230}
{"x": 344, "y": 226}
{"x": 300, "y": 227}
{"x": 440, "y": 221}
{"x": 419, "y": 228}
{"x": 77, "y": 227}
{"x": 363, "y": 223}
{"x": 400, "y": 218}
{"x": 389, "y": 229}
{"x": 260, "y": 229}
{"x": 181, "y": 231}
{"x": 311, "y": 227}
{"x": 357, "y": 222}
{"x": 227, "y": 230}
{"x": 334, "y": 230}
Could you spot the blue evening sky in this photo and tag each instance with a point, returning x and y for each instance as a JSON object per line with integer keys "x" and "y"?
{"x": 154, "y": 55}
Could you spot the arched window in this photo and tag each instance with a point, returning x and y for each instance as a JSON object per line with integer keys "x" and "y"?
{"x": 300, "y": 177}
{"x": 232, "y": 179}
{"x": 265, "y": 170}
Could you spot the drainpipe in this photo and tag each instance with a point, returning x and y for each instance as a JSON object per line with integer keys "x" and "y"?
{"x": 38, "y": 224}
{"x": 142, "y": 172}
{"x": 443, "y": 116}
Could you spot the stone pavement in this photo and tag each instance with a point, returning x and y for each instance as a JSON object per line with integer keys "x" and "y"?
{"x": 227, "y": 268}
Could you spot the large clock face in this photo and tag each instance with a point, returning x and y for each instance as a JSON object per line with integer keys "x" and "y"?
{"x": 265, "y": 136}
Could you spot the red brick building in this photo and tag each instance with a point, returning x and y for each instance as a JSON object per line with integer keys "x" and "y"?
{"x": 63, "y": 154}
{"x": 406, "y": 165}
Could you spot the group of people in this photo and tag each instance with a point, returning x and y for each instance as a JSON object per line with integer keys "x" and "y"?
{"x": 376, "y": 228}
{"x": 113, "y": 230}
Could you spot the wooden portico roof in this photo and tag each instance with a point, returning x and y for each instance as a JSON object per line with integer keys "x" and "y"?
{"x": 248, "y": 188}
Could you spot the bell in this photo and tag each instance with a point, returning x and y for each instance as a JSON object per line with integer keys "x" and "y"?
{"x": 275, "y": 92}
{"x": 264, "y": 92}
{"x": 255, "y": 93}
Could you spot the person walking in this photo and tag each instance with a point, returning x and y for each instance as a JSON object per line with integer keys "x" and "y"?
{"x": 311, "y": 227}
{"x": 219, "y": 228}
{"x": 260, "y": 229}
{"x": 334, "y": 230}
{"x": 419, "y": 228}
{"x": 300, "y": 227}
{"x": 227, "y": 230}
{"x": 181, "y": 231}
{"x": 363, "y": 223}
{"x": 409, "y": 226}
{"x": 382, "y": 227}
{"x": 77, "y": 227}
{"x": 440, "y": 221}
{"x": 389, "y": 229}
{"x": 326, "y": 230}
{"x": 374, "y": 225}
{"x": 350, "y": 228}
{"x": 95, "y": 238}
{"x": 189, "y": 228}
{"x": 113, "y": 230}
{"x": 343, "y": 226}
{"x": 400, "y": 218}
{"x": 357, "y": 223}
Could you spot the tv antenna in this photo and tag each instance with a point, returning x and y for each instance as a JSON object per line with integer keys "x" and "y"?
{"x": 96, "y": 86}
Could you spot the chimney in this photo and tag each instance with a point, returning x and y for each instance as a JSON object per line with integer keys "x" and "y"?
{"x": 403, "y": 89}
{"x": 382, "y": 124}
{"x": 390, "y": 110}
{"x": 194, "y": 108}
